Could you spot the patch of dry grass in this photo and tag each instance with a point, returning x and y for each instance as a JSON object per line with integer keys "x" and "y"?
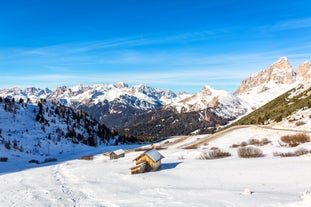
{"x": 300, "y": 123}
{"x": 255, "y": 142}
{"x": 297, "y": 153}
{"x": 295, "y": 139}
{"x": 214, "y": 154}
{"x": 249, "y": 152}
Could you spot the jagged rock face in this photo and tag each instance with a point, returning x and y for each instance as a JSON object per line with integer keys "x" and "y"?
{"x": 280, "y": 72}
{"x": 304, "y": 71}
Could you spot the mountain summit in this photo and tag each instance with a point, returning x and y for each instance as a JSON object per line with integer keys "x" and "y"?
{"x": 304, "y": 71}
{"x": 278, "y": 78}
{"x": 280, "y": 72}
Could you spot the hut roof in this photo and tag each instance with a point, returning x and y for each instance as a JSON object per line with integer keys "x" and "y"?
{"x": 119, "y": 152}
{"x": 153, "y": 154}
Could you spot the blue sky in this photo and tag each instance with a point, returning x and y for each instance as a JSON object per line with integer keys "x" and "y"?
{"x": 172, "y": 44}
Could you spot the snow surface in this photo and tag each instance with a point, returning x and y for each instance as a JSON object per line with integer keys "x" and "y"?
{"x": 184, "y": 180}
{"x": 262, "y": 94}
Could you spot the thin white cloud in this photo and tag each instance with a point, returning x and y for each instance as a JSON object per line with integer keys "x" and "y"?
{"x": 293, "y": 24}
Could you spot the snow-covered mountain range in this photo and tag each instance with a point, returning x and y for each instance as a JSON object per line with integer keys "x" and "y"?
{"x": 120, "y": 106}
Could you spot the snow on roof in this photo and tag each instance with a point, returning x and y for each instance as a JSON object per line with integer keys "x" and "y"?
{"x": 119, "y": 151}
{"x": 153, "y": 154}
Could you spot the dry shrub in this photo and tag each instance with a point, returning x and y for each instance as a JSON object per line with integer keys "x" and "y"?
{"x": 234, "y": 145}
{"x": 265, "y": 141}
{"x": 87, "y": 157}
{"x": 296, "y": 139}
{"x": 255, "y": 142}
{"x": 300, "y": 123}
{"x": 215, "y": 154}
{"x": 299, "y": 152}
{"x": 214, "y": 148}
{"x": 249, "y": 152}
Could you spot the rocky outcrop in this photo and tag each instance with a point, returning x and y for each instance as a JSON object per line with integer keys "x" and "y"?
{"x": 280, "y": 72}
{"x": 304, "y": 71}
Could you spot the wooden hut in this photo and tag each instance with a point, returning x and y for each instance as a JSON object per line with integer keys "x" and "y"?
{"x": 117, "y": 154}
{"x": 148, "y": 161}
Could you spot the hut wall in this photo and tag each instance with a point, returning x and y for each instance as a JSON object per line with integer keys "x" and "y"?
{"x": 152, "y": 166}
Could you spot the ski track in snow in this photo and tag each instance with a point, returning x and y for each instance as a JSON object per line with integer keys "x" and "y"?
{"x": 68, "y": 193}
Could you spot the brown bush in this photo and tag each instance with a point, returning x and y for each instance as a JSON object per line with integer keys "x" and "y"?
{"x": 255, "y": 142}
{"x": 234, "y": 145}
{"x": 215, "y": 154}
{"x": 214, "y": 148}
{"x": 265, "y": 141}
{"x": 300, "y": 123}
{"x": 299, "y": 152}
{"x": 87, "y": 157}
{"x": 249, "y": 152}
{"x": 296, "y": 139}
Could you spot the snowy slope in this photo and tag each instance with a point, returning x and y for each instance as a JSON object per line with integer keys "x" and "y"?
{"x": 55, "y": 131}
{"x": 184, "y": 180}
{"x": 262, "y": 94}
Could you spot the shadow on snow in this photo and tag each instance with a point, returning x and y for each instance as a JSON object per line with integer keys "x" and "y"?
{"x": 168, "y": 166}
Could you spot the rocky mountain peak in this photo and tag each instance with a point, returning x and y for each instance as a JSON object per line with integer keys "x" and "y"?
{"x": 280, "y": 72}
{"x": 304, "y": 71}
{"x": 207, "y": 90}
{"x": 121, "y": 85}
{"x": 282, "y": 63}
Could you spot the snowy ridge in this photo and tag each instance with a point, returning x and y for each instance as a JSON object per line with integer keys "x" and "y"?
{"x": 32, "y": 93}
{"x": 225, "y": 104}
{"x": 141, "y": 97}
{"x": 147, "y": 97}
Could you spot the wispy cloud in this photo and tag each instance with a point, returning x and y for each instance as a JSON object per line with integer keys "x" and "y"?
{"x": 300, "y": 23}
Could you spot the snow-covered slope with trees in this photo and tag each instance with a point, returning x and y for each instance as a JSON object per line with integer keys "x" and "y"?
{"x": 46, "y": 129}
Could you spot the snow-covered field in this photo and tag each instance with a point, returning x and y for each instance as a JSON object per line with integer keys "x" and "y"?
{"x": 184, "y": 180}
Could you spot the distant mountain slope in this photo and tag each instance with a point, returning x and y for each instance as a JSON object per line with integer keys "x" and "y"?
{"x": 198, "y": 113}
{"x": 225, "y": 104}
{"x": 114, "y": 104}
{"x": 282, "y": 107}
